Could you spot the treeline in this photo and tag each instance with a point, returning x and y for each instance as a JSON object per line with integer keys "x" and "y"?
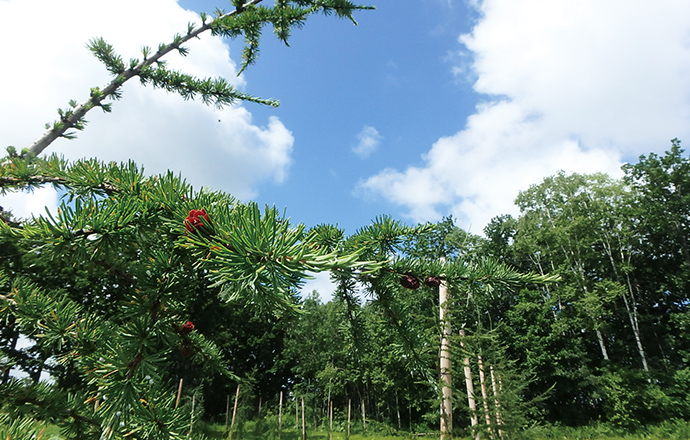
{"x": 608, "y": 342}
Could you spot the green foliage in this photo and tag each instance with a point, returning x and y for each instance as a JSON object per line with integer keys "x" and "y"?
{"x": 117, "y": 344}
{"x": 630, "y": 401}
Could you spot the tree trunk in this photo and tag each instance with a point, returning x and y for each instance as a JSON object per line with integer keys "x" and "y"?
{"x": 329, "y": 403}
{"x": 485, "y": 395}
{"x": 471, "y": 403}
{"x": 602, "y": 345}
{"x": 191, "y": 417}
{"x": 227, "y": 412}
{"x": 632, "y": 311}
{"x": 397, "y": 409}
{"x": 349, "y": 413}
{"x": 497, "y": 405}
{"x": 304, "y": 423}
{"x": 179, "y": 393}
{"x": 330, "y": 416}
{"x": 364, "y": 417}
{"x": 234, "y": 412}
{"x": 445, "y": 364}
{"x": 280, "y": 415}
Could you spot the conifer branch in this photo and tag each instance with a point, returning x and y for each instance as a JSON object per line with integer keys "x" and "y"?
{"x": 29, "y": 181}
{"x": 74, "y": 117}
{"x": 247, "y": 19}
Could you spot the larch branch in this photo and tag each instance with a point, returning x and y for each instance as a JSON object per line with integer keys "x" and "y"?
{"x": 95, "y": 100}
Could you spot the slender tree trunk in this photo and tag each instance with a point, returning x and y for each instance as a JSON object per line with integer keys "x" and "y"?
{"x": 364, "y": 417}
{"x": 191, "y": 417}
{"x": 571, "y": 255}
{"x": 485, "y": 395}
{"x": 409, "y": 413}
{"x": 536, "y": 260}
{"x": 349, "y": 413}
{"x": 471, "y": 403}
{"x": 227, "y": 412}
{"x": 330, "y": 417}
{"x": 497, "y": 405}
{"x": 234, "y": 412}
{"x": 445, "y": 364}
{"x": 600, "y": 335}
{"x": 630, "y": 307}
{"x": 632, "y": 317}
{"x": 328, "y": 402}
{"x": 602, "y": 344}
{"x": 397, "y": 409}
{"x": 280, "y": 415}
{"x": 304, "y": 423}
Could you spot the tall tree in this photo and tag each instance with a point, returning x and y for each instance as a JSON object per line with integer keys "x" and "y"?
{"x": 582, "y": 223}
{"x": 661, "y": 187}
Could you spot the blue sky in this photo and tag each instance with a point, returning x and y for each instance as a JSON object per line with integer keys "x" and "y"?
{"x": 428, "y": 108}
{"x": 389, "y": 78}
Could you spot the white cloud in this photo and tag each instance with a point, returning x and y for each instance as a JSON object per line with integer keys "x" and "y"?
{"x": 28, "y": 204}
{"x": 321, "y": 283}
{"x": 578, "y": 86}
{"x": 46, "y": 63}
{"x": 368, "y": 141}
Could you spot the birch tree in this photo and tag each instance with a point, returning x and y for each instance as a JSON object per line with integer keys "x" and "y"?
{"x": 582, "y": 222}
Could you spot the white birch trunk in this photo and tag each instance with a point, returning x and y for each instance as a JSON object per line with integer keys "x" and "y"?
{"x": 280, "y": 415}
{"x": 471, "y": 402}
{"x": 364, "y": 417}
{"x": 304, "y": 423}
{"x": 497, "y": 405}
{"x": 445, "y": 362}
{"x": 485, "y": 394}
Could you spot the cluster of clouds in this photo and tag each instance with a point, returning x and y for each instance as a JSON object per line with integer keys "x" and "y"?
{"x": 577, "y": 86}
{"x": 46, "y": 64}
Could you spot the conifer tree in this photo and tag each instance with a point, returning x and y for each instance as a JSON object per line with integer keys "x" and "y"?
{"x": 102, "y": 288}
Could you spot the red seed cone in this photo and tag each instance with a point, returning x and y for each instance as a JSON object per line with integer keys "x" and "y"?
{"x": 432, "y": 281}
{"x": 193, "y": 223}
{"x": 187, "y": 328}
{"x": 409, "y": 282}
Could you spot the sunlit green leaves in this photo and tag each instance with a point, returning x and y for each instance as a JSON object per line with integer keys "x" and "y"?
{"x": 261, "y": 255}
{"x": 106, "y": 54}
{"x": 212, "y": 91}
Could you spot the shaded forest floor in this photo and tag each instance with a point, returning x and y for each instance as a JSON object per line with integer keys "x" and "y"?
{"x": 670, "y": 430}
